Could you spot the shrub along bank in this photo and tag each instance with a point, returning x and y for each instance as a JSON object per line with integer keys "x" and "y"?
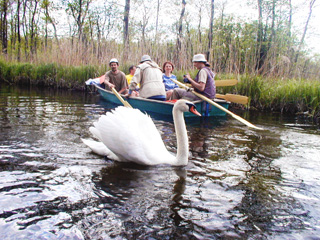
{"x": 285, "y": 95}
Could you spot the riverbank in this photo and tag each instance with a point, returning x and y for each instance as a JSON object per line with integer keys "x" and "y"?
{"x": 301, "y": 97}
{"x": 53, "y": 75}
{"x": 282, "y": 95}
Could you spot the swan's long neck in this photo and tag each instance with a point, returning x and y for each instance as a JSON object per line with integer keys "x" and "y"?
{"x": 182, "y": 137}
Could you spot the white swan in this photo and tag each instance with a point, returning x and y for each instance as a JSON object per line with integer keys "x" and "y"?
{"x": 128, "y": 135}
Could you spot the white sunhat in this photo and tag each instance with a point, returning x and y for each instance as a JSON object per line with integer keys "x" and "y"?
{"x": 145, "y": 58}
{"x": 199, "y": 58}
{"x": 114, "y": 60}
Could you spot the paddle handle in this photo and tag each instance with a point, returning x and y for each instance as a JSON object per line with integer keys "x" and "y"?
{"x": 125, "y": 103}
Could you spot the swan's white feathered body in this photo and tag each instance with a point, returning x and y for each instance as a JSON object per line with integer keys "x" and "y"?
{"x": 128, "y": 135}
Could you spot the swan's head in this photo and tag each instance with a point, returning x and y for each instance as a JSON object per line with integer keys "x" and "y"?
{"x": 186, "y": 106}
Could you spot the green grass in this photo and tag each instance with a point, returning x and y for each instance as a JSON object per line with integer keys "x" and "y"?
{"x": 47, "y": 74}
{"x": 290, "y": 95}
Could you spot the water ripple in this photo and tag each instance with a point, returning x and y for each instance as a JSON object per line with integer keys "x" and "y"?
{"x": 239, "y": 183}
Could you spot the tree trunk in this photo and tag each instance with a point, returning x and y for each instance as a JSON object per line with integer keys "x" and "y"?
{"x": 157, "y": 20}
{"x": 126, "y": 30}
{"x": 50, "y": 20}
{"x": 199, "y": 25}
{"x": 210, "y": 36}
{"x": 290, "y": 19}
{"x": 33, "y": 31}
{"x": 304, "y": 31}
{"x": 273, "y": 23}
{"x": 4, "y": 26}
{"x": 25, "y": 28}
{"x": 99, "y": 39}
{"x": 259, "y": 37}
{"x": 180, "y": 35}
{"x": 78, "y": 20}
{"x": 18, "y": 30}
{"x": 267, "y": 51}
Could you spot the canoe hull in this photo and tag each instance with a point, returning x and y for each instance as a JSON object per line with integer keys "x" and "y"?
{"x": 164, "y": 108}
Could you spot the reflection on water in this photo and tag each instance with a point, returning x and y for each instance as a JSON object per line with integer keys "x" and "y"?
{"x": 239, "y": 183}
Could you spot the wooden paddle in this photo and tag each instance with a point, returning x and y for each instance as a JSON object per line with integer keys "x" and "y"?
{"x": 222, "y": 83}
{"x": 234, "y": 98}
{"x": 218, "y": 106}
{"x": 230, "y": 97}
{"x": 125, "y": 103}
{"x": 226, "y": 82}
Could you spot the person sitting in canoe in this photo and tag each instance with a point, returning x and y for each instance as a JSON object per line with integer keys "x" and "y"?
{"x": 116, "y": 78}
{"x": 203, "y": 82}
{"x": 169, "y": 85}
{"x": 132, "y": 70}
{"x": 149, "y": 75}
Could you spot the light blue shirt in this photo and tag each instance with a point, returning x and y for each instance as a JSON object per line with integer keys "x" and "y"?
{"x": 168, "y": 84}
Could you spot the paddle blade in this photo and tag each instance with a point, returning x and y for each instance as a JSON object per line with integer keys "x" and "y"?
{"x": 226, "y": 82}
{"x": 245, "y": 122}
{"x": 237, "y": 99}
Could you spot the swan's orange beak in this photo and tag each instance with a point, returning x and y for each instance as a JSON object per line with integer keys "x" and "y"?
{"x": 194, "y": 111}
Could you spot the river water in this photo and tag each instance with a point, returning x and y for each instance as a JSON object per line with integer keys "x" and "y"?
{"x": 239, "y": 184}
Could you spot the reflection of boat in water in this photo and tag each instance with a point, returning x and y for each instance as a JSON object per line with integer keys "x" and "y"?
{"x": 164, "y": 108}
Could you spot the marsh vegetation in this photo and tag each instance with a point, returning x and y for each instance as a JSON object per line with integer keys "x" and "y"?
{"x": 62, "y": 44}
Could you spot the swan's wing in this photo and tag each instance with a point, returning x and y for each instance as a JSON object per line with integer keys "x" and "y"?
{"x": 100, "y": 149}
{"x": 94, "y": 131}
{"x": 132, "y": 135}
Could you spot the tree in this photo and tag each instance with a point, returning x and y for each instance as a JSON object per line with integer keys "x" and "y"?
{"x": 78, "y": 9}
{"x": 305, "y": 30}
{"x": 157, "y": 20}
{"x": 126, "y": 30}
{"x": 199, "y": 5}
{"x": 210, "y": 35}
{"x": 47, "y": 5}
{"x": 260, "y": 52}
{"x": 180, "y": 33}
{"x": 30, "y": 26}
{"x": 33, "y": 26}
{"x": 18, "y": 29}
{"x": 4, "y": 25}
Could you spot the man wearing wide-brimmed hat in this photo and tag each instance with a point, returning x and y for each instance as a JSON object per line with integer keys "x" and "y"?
{"x": 149, "y": 75}
{"x": 203, "y": 82}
